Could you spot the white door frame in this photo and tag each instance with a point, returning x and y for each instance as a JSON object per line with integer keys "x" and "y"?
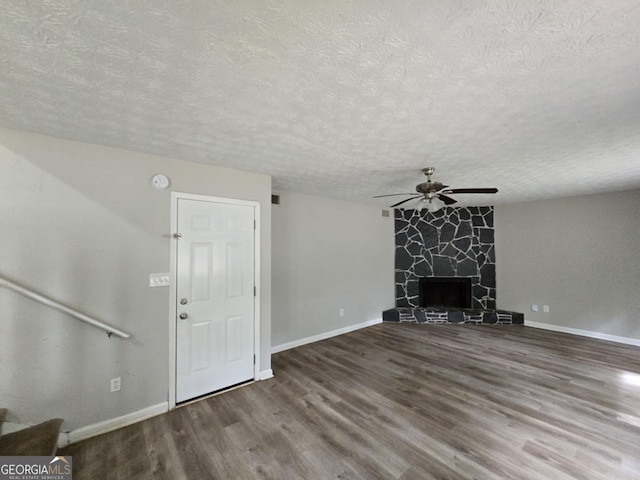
{"x": 173, "y": 268}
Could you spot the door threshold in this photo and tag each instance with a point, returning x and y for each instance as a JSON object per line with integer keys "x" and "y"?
{"x": 215, "y": 394}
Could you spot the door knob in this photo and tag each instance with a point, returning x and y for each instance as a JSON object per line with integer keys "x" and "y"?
{"x": 183, "y": 316}
{"x": 183, "y": 301}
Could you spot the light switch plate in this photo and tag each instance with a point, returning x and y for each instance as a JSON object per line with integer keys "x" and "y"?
{"x": 159, "y": 280}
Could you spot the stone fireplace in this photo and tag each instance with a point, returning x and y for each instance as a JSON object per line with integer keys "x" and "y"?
{"x": 453, "y": 245}
{"x": 446, "y": 268}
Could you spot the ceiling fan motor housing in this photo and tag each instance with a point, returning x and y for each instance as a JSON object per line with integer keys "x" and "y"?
{"x": 429, "y": 187}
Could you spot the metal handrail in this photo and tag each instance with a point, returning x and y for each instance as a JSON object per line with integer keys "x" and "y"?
{"x": 62, "y": 308}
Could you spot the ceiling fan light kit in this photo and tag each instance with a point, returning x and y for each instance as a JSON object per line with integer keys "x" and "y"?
{"x": 433, "y": 196}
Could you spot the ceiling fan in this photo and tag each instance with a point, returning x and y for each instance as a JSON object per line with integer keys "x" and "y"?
{"x": 434, "y": 195}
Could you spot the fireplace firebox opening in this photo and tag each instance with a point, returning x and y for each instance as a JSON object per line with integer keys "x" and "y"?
{"x": 453, "y": 292}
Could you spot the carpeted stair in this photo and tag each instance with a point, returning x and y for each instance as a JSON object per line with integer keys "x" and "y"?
{"x": 41, "y": 439}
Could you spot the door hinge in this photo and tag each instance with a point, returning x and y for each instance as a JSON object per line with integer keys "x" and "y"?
{"x": 255, "y": 291}
{"x": 254, "y": 358}
{"x": 255, "y": 224}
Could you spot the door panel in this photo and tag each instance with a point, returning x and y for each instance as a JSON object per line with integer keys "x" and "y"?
{"x": 234, "y": 339}
{"x": 200, "y": 342}
{"x": 201, "y": 272}
{"x": 236, "y": 270}
{"x": 215, "y": 277}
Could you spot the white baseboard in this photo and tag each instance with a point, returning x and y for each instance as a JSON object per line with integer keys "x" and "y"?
{"x": 83, "y": 433}
{"x": 584, "y": 333}
{"x": 324, "y": 336}
{"x": 99, "y": 428}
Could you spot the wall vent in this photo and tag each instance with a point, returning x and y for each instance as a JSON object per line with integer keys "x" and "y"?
{"x": 385, "y": 213}
{"x": 275, "y": 199}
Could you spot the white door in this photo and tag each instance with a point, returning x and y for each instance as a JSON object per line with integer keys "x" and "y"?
{"x": 215, "y": 296}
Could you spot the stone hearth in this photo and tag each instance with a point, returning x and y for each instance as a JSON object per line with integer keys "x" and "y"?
{"x": 462, "y": 315}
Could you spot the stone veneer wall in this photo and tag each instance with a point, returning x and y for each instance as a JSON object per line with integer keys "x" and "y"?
{"x": 452, "y": 242}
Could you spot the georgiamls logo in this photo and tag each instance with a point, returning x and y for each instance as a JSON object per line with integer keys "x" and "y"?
{"x": 35, "y": 468}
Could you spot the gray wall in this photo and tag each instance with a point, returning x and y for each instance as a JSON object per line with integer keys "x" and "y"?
{"x": 82, "y": 224}
{"x": 579, "y": 255}
{"x": 327, "y": 255}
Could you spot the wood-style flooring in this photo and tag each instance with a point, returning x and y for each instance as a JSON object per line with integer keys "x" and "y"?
{"x": 402, "y": 401}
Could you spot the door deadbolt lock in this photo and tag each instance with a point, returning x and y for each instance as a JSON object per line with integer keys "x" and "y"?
{"x": 183, "y": 316}
{"x": 183, "y": 301}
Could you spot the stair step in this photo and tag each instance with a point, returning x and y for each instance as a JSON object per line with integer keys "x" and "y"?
{"x": 40, "y": 440}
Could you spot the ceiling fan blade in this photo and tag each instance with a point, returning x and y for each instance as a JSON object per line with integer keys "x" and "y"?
{"x": 440, "y": 187}
{"x": 391, "y": 195}
{"x": 471, "y": 190}
{"x": 446, "y": 200}
{"x": 405, "y": 201}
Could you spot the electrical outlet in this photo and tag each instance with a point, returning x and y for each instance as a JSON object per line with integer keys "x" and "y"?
{"x": 116, "y": 383}
{"x": 159, "y": 279}
{"x": 545, "y": 308}
{"x": 534, "y": 307}
{"x": 342, "y": 312}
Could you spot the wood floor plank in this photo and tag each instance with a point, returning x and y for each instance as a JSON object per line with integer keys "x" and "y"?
{"x": 400, "y": 401}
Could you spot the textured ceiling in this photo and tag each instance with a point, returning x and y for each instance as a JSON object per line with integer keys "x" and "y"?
{"x": 343, "y": 99}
